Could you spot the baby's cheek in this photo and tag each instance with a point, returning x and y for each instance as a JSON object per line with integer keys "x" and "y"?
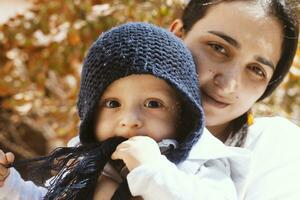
{"x": 103, "y": 131}
{"x": 163, "y": 130}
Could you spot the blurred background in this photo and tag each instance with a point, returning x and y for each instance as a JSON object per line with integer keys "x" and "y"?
{"x": 42, "y": 46}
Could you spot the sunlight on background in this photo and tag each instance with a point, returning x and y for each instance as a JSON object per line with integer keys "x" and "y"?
{"x": 9, "y": 8}
{"x": 41, "y": 54}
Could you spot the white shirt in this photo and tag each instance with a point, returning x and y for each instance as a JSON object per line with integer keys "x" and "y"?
{"x": 212, "y": 171}
{"x": 206, "y": 174}
{"x": 275, "y": 163}
{"x": 275, "y": 168}
{"x": 273, "y": 172}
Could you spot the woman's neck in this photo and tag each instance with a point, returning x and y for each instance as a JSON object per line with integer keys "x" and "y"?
{"x": 221, "y": 132}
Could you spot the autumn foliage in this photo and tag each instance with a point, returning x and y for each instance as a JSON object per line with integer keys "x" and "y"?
{"x": 41, "y": 55}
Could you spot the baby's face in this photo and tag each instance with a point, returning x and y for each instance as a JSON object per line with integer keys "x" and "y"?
{"x": 138, "y": 105}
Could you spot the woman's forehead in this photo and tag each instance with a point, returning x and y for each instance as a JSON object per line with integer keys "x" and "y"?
{"x": 238, "y": 10}
{"x": 246, "y": 23}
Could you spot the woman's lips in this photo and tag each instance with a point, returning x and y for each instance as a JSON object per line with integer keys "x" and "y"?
{"x": 212, "y": 101}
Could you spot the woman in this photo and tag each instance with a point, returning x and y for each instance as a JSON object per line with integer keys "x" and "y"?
{"x": 243, "y": 50}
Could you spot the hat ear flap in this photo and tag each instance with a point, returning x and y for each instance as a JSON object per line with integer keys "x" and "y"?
{"x": 87, "y": 126}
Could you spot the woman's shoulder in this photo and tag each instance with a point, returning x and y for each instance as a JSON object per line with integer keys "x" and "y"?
{"x": 274, "y": 122}
{"x": 273, "y": 133}
{"x": 275, "y": 126}
{"x": 274, "y": 169}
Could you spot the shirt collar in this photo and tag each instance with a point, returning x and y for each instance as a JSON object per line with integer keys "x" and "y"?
{"x": 209, "y": 147}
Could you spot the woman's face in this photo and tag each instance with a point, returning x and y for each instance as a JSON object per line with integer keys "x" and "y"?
{"x": 236, "y": 48}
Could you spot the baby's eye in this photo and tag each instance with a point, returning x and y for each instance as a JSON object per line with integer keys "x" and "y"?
{"x": 153, "y": 104}
{"x": 218, "y": 48}
{"x": 112, "y": 104}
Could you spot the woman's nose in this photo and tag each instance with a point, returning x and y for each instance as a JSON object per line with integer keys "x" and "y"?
{"x": 227, "y": 81}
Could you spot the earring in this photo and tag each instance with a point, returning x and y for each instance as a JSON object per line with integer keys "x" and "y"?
{"x": 250, "y": 118}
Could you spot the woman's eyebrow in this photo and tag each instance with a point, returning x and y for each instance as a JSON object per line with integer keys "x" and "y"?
{"x": 227, "y": 38}
{"x": 265, "y": 62}
{"x": 236, "y": 44}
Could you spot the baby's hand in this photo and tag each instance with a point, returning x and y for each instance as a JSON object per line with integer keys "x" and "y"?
{"x": 136, "y": 151}
{"x": 5, "y": 159}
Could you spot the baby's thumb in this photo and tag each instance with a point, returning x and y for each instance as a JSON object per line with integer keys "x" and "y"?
{"x": 10, "y": 157}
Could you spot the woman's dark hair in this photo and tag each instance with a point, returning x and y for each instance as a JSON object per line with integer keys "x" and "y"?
{"x": 282, "y": 10}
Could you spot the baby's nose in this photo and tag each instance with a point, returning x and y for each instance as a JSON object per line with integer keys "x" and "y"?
{"x": 131, "y": 124}
{"x": 129, "y": 127}
{"x": 131, "y": 121}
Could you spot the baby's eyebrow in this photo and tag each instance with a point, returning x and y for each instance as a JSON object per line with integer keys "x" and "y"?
{"x": 104, "y": 98}
{"x": 166, "y": 97}
{"x": 159, "y": 92}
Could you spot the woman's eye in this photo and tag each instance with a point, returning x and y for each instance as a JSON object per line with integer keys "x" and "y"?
{"x": 258, "y": 71}
{"x": 112, "y": 104}
{"x": 218, "y": 48}
{"x": 153, "y": 104}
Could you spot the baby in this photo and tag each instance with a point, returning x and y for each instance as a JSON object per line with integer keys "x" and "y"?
{"x": 138, "y": 82}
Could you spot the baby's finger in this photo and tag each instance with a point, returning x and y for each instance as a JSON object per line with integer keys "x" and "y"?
{"x": 10, "y": 157}
{"x": 124, "y": 144}
{"x": 3, "y": 160}
{"x": 3, "y": 172}
{"x": 119, "y": 154}
{"x": 1, "y": 183}
{"x": 138, "y": 137}
{"x": 2, "y": 178}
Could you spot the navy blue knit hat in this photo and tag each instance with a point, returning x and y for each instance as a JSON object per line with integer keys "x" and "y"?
{"x": 140, "y": 48}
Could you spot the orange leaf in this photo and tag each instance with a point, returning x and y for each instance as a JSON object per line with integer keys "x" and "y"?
{"x": 74, "y": 38}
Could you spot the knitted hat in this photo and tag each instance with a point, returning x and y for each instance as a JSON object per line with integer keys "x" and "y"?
{"x": 140, "y": 48}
